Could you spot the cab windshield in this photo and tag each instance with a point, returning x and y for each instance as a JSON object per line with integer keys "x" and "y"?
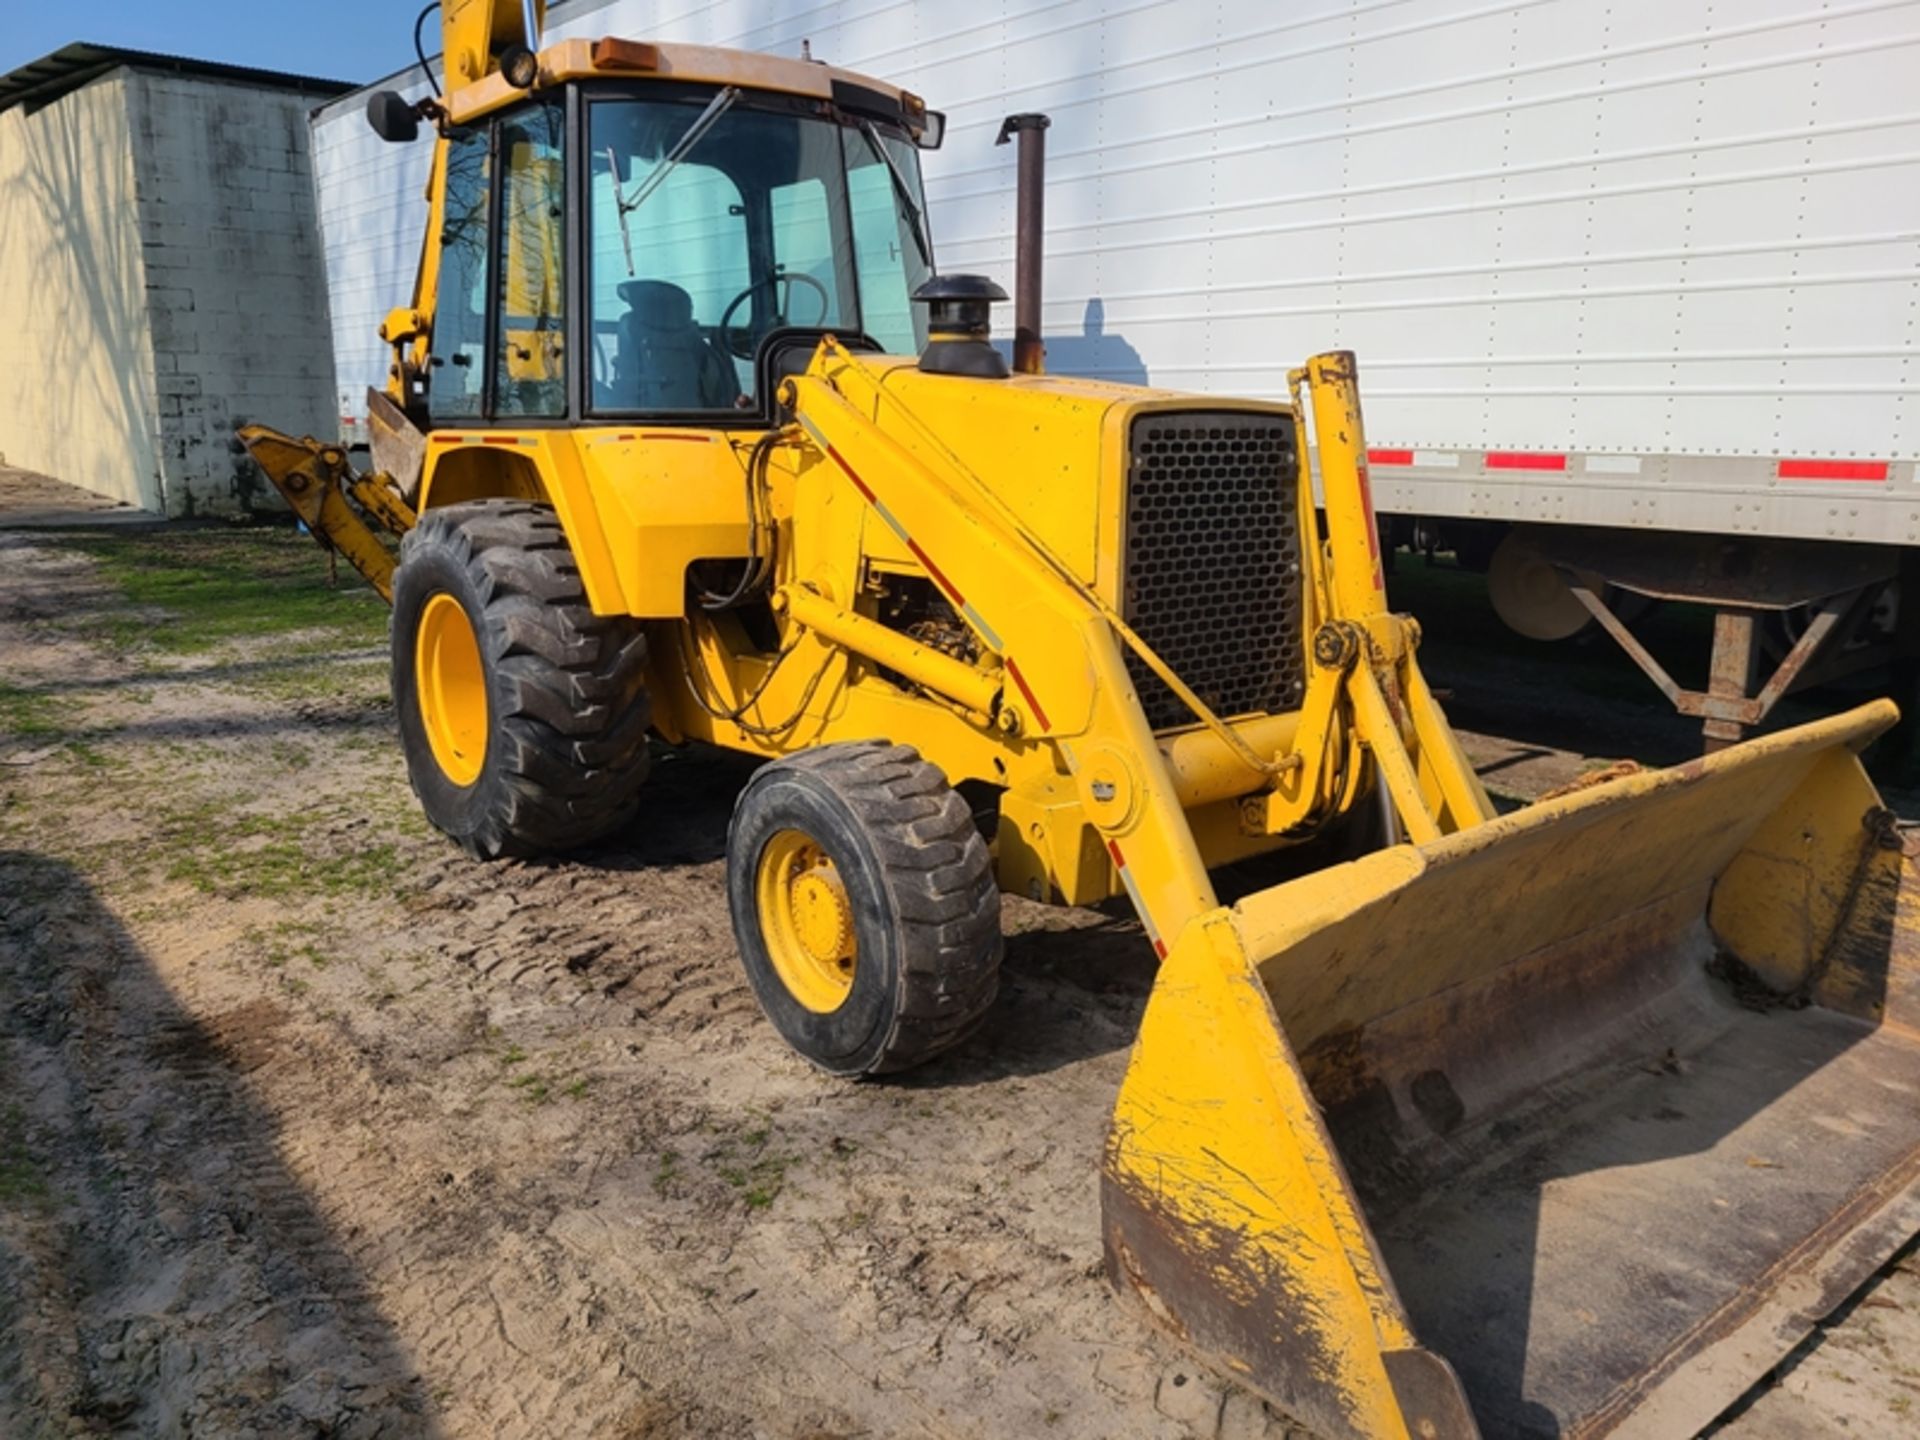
{"x": 712, "y": 223}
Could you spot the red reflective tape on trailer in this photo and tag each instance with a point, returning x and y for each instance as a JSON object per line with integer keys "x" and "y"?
{"x": 1389, "y": 457}
{"x": 501, "y": 440}
{"x": 1039, "y": 711}
{"x": 1119, "y": 860}
{"x": 939, "y": 575}
{"x": 1524, "y": 460}
{"x": 1872, "y": 470}
{"x": 1159, "y": 947}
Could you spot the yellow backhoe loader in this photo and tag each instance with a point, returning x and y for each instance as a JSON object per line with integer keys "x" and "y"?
{"x": 1568, "y": 1121}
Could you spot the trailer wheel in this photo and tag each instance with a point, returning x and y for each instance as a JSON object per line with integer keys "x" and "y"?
{"x": 864, "y": 905}
{"x": 523, "y": 715}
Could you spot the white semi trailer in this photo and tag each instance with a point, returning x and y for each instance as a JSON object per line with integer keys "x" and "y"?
{"x": 1636, "y": 285}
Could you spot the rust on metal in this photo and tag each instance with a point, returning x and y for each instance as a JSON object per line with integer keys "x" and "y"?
{"x": 1212, "y": 1292}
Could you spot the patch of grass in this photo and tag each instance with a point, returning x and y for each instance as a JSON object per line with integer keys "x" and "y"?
{"x": 358, "y": 680}
{"x": 533, "y": 1087}
{"x": 229, "y": 583}
{"x": 666, "y": 1172}
{"x": 576, "y": 1089}
{"x": 21, "y": 1182}
{"x": 26, "y": 714}
{"x": 284, "y": 867}
{"x": 290, "y": 756}
{"x": 218, "y": 852}
{"x": 749, "y": 1165}
{"x": 512, "y": 1055}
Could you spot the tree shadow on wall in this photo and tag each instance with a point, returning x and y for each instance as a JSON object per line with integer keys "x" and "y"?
{"x": 68, "y": 221}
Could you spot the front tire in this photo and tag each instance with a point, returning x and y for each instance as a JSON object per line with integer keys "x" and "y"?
{"x": 864, "y": 905}
{"x": 523, "y": 715}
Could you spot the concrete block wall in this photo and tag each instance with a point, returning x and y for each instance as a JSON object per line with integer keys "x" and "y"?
{"x": 235, "y": 285}
{"x": 77, "y": 372}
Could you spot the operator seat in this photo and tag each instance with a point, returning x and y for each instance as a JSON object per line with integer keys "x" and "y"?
{"x": 665, "y": 361}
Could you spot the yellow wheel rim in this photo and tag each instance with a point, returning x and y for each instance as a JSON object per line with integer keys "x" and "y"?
{"x": 807, "y": 921}
{"x": 452, "y": 686}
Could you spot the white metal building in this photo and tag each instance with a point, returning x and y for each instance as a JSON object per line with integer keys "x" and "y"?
{"x": 160, "y": 274}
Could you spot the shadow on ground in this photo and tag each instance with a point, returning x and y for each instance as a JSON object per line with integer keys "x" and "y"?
{"x": 161, "y": 1270}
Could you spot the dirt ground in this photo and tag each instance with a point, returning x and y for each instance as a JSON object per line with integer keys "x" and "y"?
{"x": 311, "y": 1126}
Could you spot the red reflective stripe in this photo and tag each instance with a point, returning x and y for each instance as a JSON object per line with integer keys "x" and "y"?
{"x": 500, "y": 440}
{"x": 690, "y": 439}
{"x": 1120, "y": 863}
{"x": 1373, "y": 526}
{"x": 939, "y": 575}
{"x": 1524, "y": 460}
{"x": 1833, "y": 469}
{"x": 858, "y": 483}
{"x": 1390, "y": 457}
{"x": 1039, "y": 712}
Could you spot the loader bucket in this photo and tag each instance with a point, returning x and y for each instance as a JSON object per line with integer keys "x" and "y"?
{"x": 1570, "y": 1124}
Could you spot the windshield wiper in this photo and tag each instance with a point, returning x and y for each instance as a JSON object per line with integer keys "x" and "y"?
{"x": 625, "y": 206}
{"x": 903, "y": 193}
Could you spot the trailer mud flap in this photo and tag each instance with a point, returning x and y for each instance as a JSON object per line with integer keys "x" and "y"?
{"x": 1570, "y": 1124}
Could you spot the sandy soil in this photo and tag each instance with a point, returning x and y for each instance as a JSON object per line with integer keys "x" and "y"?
{"x": 317, "y": 1128}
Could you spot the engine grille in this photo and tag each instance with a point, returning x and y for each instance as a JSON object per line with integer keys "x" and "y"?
{"x": 1212, "y": 579}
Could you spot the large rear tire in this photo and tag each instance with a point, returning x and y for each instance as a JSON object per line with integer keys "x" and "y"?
{"x": 865, "y": 907}
{"x": 523, "y": 715}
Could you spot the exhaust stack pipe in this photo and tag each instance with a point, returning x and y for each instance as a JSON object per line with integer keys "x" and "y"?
{"x": 1029, "y": 352}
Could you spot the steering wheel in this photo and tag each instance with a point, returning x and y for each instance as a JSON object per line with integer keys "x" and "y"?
{"x": 742, "y": 342}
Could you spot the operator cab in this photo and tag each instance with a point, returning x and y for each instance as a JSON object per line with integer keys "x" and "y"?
{"x": 621, "y": 250}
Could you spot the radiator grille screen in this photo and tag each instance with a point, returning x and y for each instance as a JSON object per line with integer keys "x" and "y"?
{"x": 1212, "y": 580}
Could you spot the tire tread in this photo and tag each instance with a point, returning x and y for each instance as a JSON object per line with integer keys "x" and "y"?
{"x": 572, "y": 742}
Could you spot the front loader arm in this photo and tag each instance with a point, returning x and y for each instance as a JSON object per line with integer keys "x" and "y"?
{"x": 1364, "y": 670}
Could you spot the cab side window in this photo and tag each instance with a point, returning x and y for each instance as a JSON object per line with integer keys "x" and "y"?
{"x": 457, "y": 387}
{"x": 531, "y": 358}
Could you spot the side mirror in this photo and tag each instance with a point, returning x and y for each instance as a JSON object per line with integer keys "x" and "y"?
{"x": 392, "y": 118}
{"x": 933, "y": 130}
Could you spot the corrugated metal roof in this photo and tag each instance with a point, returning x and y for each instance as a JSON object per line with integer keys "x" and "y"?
{"x": 42, "y": 81}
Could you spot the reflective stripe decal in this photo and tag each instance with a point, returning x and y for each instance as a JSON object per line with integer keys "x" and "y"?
{"x": 1874, "y": 471}
{"x": 939, "y": 576}
{"x": 1524, "y": 460}
{"x": 1039, "y": 711}
{"x": 1133, "y": 894}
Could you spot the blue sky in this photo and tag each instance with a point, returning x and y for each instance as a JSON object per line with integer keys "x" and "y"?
{"x": 357, "y": 40}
